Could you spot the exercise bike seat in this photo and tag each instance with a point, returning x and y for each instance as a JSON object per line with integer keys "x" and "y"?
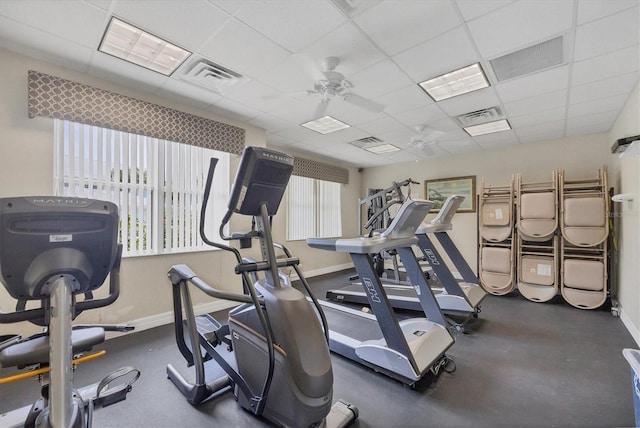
{"x": 36, "y": 350}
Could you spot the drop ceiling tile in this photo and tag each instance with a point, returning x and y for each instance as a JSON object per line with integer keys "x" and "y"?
{"x": 471, "y": 9}
{"x": 605, "y": 66}
{"x": 404, "y": 99}
{"x": 385, "y": 124}
{"x": 619, "y": 85}
{"x": 233, "y": 110}
{"x": 300, "y": 134}
{"x": 538, "y": 118}
{"x": 592, "y": 10}
{"x": 538, "y": 103}
{"x": 291, "y": 24}
{"x": 544, "y": 135}
{"x": 274, "y": 140}
{"x": 420, "y": 116}
{"x": 470, "y": 102}
{"x": 449, "y": 126}
{"x": 354, "y": 50}
{"x": 296, "y": 111}
{"x": 115, "y": 70}
{"x": 187, "y": 24}
{"x": 351, "y": 114}
{"x": 380, "y": 79}
{"x": 296, "y": 73}
{"x": 459, "y": 146}
{"x": 242, "y": 49}
{"x": 270, "y": 123}
{"x": 36, "y": 44}
{"x": 187, "y": 93}
{"x": 519, "y": 25}
{"x": 535, "y": 84}
{"x": 397, "y": 26}
{"x": 257, "y": 95}
{"x": 614, "y": 103}
{"x": 230, "y": 6}
{"x": 74, "y": 21}
{"x": 540, "y": 131}
{"x": 591, "y": 123}
{"x": 102, "y": 4}
{"x": 498, "y": 139}
{"x": 607, "y": 34}
{"x": 434, "y": 57}
{"x": 453, "y": 135}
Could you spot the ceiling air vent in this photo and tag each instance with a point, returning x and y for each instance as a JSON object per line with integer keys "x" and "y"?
{"x": 210, "y": 75}
{"x": 480, "y": 116}
{"x": 528, "y": 60}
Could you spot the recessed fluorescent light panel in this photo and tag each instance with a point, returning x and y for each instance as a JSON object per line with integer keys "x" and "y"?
{"x": 382, "y": 149}
{"x": 457, "y": 82}
{"x": 134, "y": 45}
{"x": 488, "y": 128}
{"x": 325, "y": 125}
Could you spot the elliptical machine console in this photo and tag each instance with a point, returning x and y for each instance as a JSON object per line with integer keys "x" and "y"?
{"x": 273, "y": 351}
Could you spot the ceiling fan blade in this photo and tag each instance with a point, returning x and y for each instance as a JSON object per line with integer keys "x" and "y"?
{"x": 364, "y": 103}
{"x": 321, "y": 109}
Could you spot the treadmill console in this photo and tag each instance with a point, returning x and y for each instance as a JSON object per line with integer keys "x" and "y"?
{"x": 41, "y": 237}
{"x": 262, "y": 177}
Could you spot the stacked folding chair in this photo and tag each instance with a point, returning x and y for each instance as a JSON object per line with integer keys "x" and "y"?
{"x": 496, "y": 225}
{"x": 537, "y": 243}
{"x": 584, "y": 214}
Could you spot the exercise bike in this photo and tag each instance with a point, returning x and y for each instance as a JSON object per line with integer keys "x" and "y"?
{"x": 52, "y": 250}
{"x": 273, "y": 351}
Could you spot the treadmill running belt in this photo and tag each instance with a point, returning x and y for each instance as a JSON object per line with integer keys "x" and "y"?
{"x": 401, "y": 297}
{"x": 352, "y": 325}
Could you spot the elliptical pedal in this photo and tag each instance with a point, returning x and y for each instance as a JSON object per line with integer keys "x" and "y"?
{"x": 208, "y": 328}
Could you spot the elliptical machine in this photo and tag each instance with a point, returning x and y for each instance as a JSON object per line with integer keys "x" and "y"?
{"x": 53, "y": 249}
{"x": 273, "y": 352}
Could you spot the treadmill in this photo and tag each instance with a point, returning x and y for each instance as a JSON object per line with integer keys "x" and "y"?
{"x": 453, "y": 296}
{"x": 405, "y": 350}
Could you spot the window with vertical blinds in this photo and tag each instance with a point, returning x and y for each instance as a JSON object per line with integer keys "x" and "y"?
{"x": 157, "y": 184}
{"x": 313, "y": 209}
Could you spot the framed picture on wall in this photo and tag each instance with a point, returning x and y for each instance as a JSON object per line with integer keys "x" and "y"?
{"x": 438, "y": 190}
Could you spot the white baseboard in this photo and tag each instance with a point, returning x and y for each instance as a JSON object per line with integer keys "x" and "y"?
{"x": 158, "y": 320}
{"x": 635, "y": 332}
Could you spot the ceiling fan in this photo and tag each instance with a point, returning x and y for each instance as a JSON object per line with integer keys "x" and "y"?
{"x": 335, "y": 85}
{"x": 426, "y": 139}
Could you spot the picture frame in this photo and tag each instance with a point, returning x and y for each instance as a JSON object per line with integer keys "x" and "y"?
{"x": 438, "y": 190}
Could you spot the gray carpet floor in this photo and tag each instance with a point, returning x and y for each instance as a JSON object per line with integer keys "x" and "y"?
{"x": 524, "y": 365}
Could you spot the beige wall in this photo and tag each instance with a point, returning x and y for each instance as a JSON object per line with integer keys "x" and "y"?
{"x": 26, "y": 168}
{"x": 628, "y": 231}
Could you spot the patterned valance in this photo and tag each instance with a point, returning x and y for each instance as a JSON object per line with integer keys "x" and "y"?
{"x": 321, "y": 171}
{"x": 51, "y": 96}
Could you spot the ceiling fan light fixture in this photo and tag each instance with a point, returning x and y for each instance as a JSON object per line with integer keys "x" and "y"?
{"x": 457, "y": 82}
{"x": 488, "y": 128}
{"x": 325, "y": 125}
{"x": 139, "y": 47}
